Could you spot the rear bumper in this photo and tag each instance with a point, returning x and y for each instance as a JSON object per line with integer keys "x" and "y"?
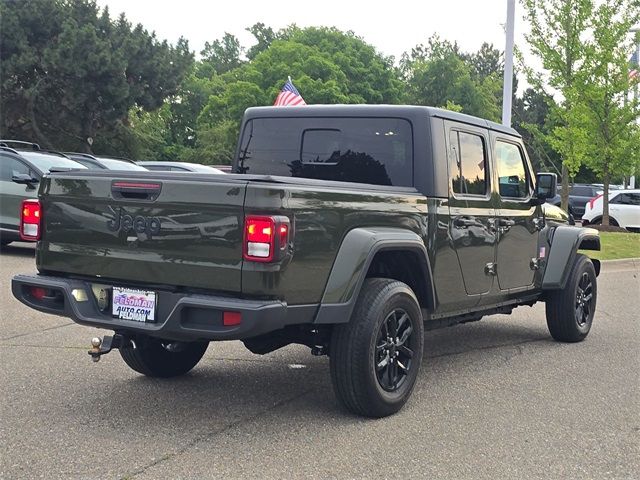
{"x": 180, "y": 316}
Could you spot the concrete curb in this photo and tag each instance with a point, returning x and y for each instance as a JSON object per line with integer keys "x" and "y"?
{"x": 624, "y": 264}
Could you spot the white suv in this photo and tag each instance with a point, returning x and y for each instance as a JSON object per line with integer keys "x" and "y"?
{"x": 624, "y": 210}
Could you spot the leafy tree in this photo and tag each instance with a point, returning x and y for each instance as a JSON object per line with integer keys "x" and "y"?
{"x": 327, "y": 66}
{"x": 532, "y": 118}
{"x": 599, "y": 97}
{"x": 558, "y": 35}
{"x": 438, "y": 75}
{"x": 69, "y": 72}
{"x": 264, "y": 36}
{"x": 221, "y": 55}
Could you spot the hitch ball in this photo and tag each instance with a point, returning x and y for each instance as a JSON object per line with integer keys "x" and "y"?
{"x": 96, "y": 343}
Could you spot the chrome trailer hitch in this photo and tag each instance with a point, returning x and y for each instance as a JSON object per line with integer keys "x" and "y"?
{"x": 101, "y": 347}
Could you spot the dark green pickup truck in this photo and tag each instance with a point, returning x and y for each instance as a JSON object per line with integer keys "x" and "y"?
{"x": 349, "y": 229}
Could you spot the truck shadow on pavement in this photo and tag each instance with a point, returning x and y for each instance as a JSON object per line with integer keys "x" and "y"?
{"x": 223, "y": 392}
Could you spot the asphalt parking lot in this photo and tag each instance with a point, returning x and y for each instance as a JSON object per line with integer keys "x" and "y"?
{"x": 495, "y": 399}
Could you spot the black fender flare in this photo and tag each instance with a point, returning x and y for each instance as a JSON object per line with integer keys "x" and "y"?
{"x": 357, "y": 250}
{"x": 565, "y": 243}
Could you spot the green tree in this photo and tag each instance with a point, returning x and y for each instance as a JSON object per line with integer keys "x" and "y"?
{"x": 264, "y": 37}
{"x": 599, "y": 96}
{"x": 438, "y": 75}
{"x": 70, "y": 73}
{"x": 221, "y": 55}
{"x": 326, "y": 65}
{"x": 558, "y": 34}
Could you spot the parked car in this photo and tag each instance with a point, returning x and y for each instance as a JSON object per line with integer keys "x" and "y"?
{"x": 579, "y": 195}
{"x": 20, "y": 174}
{"x": 93, "y": 162}
{"x": 624, "y": 210}
{"x": 352, "y": 229}
{"x": 179, "y": 167}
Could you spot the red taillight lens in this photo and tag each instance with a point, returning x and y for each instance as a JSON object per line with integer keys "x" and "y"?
{"x": 259, "y": 241}
{"x": 30, "y": 220}
{"x": 230, "y": 319}
{"x": 39, "y": 293}
{"x": 593, "y": 200}
{"x": 265, "y": 238}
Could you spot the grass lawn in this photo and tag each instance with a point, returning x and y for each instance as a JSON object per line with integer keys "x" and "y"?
{"x": 617, "y": 245}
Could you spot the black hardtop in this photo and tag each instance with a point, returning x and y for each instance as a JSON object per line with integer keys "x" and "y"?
{"x": 410, "y": 112}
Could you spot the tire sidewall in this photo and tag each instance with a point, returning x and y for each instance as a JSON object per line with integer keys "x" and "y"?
{"x": 399, "y": 297}
{"x": 582, "y": 265}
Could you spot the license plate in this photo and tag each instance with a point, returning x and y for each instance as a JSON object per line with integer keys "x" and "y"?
{"x": 131, "y": 304}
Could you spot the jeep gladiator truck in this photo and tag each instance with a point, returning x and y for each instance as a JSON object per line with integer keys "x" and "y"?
{"x": 349, "y": 229}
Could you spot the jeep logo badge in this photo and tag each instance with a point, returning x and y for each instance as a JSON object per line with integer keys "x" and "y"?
{"x": 127, "y": 222}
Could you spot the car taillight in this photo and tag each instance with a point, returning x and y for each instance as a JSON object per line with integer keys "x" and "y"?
{"x": 593, "y": 201}
{"x": 30, "y": 220}
{"x": 265, "y": 238}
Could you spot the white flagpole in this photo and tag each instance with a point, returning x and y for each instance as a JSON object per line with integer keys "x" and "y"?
{"x": 507, "y": 89}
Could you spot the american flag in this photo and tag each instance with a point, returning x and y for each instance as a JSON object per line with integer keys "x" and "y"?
{"x": 289, "y": 96}
{"x": 633, "y": 69}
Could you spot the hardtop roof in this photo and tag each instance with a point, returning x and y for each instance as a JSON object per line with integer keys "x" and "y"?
{"x": 402, "y": 111}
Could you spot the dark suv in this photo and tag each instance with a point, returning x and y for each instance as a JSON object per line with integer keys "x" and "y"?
{"x": 21, "y": 170}
{"x": 579, "y": 195}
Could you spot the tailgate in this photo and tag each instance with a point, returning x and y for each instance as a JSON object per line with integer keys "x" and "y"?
{"x": 154, "y": 228}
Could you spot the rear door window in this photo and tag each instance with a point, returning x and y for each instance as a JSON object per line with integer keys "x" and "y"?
{"x": 365, "y": 150}
{"x": 512, "y": 173}
{"x": 469, "y": 170}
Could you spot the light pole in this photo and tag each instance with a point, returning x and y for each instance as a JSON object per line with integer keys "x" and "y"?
{"x": 632, "y": 179}
{"x": 507, "y": 88}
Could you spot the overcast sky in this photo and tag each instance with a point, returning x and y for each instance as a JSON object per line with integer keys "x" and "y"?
{"x": 392, "y": 26}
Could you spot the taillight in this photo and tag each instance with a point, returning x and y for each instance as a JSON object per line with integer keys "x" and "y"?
{"x": 265, "y": 238}
{"x": 593, "y": 201}
{"x": 30, "y": 220}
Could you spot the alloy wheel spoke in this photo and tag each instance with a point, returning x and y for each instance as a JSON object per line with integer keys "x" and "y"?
{"x": 404, "y": 369}
{"x": 406, "y": 351}
{"x": 405, "y": 335}
{"x": 383, "y": 363}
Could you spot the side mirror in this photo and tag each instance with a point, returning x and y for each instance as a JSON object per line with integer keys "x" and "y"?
{"x": 546, "y": 186}
{"x": 24, "y": 179}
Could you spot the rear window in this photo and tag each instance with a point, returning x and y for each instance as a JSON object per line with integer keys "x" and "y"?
{"x": 582, "y": 191}
{"x": 114, "y": 164}
{"x": 364, "y": 150}
{"x": 44, "y": 161}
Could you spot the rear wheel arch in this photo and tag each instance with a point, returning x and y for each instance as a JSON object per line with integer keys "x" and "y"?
{"x": 408, "y": 266}
{"x": 374, "y": 252}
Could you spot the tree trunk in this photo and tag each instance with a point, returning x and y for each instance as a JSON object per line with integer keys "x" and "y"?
{"x": 605, "y": 197}
{"x": 41, "y": 138}
{"x": 564, "y": 194}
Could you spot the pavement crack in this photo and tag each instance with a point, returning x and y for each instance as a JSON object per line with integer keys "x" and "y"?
{"x": 518, "y": 345}
{"x": 212, "y": 434}
{"x": 35, "y": 333}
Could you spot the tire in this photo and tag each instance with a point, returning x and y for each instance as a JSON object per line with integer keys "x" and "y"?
{"x": 570, "y": 311}
{"x": 598, "y": 221}
{"x": 157, "y": 358}
{"x": 359, "y": 347}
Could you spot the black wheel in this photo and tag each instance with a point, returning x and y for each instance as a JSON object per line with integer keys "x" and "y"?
{"x": 375, "y": 358}
{"x": 160, "y": 358}
{"x": 598, "y": 221}
{"x": 570, "y": 310}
